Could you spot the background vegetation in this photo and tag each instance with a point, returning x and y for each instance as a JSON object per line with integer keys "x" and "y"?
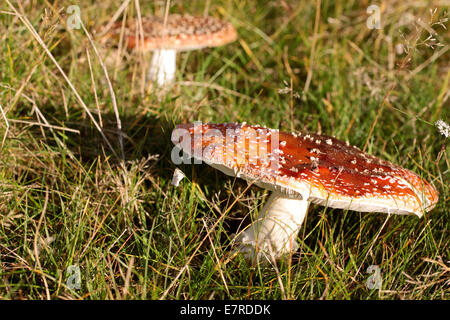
{"x": 68, "y": 198}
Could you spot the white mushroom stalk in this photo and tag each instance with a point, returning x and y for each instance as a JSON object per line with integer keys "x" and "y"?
{"x": 163, "y": 67}
{"x": 275, "y": 230}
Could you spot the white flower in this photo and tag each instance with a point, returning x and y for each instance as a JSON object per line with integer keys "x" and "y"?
{"x": 443, "y": 127}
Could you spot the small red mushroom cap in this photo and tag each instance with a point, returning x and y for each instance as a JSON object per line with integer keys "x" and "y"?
{"x": 179, "y": 32}
{"x": 319, "y": 168}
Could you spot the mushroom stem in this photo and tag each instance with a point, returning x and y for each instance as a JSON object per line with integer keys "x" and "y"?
{"x": 277, "y": 227}
{"x": 162, "y": 69}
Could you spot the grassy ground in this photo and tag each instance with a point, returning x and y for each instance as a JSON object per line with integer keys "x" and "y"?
{"x": 70, "y": 202}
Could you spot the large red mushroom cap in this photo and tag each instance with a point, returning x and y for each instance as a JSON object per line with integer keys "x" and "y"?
{"x": 317, "y": 168}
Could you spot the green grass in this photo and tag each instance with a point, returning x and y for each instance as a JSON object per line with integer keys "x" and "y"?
{"x": 67, "y": 199}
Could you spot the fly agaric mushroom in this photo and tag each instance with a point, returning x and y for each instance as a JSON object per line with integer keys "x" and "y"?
{"x": 166, "y": 38}
{"x": 300, "y": 169}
